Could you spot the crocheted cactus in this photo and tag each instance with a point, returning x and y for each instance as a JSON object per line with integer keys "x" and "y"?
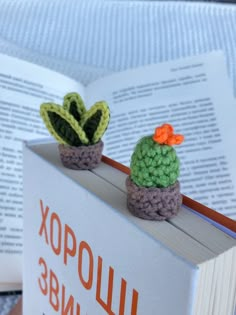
{"x": 72, "y": 124}
{"x": 154, "y": 162}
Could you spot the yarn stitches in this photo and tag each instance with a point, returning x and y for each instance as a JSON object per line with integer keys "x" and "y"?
{"x": 154, "y": 162}
{"x": 72, "y": 124}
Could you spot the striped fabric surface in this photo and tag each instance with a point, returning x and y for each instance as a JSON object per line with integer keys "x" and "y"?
{"x": 115, "y": 35}
{"x": 87, "y": 39}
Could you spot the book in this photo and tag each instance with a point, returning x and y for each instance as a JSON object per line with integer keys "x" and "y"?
{"x": 195, "y": 94}
{"x": 85, "y": 253}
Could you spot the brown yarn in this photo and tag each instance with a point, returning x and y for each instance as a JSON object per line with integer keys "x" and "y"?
{"x": 153, "y": 203}
{"x": 82, "y": 157}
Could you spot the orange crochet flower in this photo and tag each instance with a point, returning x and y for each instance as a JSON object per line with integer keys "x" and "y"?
{"x": 165, "y": 135}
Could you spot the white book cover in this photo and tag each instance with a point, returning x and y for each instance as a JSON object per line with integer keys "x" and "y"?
{"x": 74, "y": 242}
{"x": 85, "y": 254}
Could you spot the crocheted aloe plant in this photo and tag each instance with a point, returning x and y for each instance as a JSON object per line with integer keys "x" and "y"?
{"x": 154, "y": 163}
{"x": 72, "y": 124}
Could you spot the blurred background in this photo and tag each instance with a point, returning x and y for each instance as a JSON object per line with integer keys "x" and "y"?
{"x": 88, "y": 39}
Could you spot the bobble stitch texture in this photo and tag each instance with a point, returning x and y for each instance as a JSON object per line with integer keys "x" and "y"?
{"x": 153, "y": 164}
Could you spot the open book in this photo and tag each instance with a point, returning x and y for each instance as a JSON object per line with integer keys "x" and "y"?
{"x": 193, "y": 94}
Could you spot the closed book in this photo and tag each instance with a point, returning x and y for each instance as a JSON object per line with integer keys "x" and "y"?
{"x": 86, "y": 254}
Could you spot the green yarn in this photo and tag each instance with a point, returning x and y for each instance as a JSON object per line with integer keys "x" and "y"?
{"x": 95, "y": 121}
{"x": 91, "y": 124}
{"x": 64, "y": 129}
{"x": 154, "y": 164}
{"x": 62, "y": 125}
{"x": 74, "y": 104}
{"x": 72, "y": 124}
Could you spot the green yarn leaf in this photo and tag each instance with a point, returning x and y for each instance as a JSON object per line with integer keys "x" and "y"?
{"x": 154, "y": 164}
{"x": 74, "y": 104}
{"x": 62, "y": 125}
{"x": 71, "y": 124}
{"x": 95, "y": 121}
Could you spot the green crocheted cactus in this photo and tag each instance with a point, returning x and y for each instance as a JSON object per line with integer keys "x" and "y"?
{"x": 155, "y": 164}
{"x": 72, "y": 124}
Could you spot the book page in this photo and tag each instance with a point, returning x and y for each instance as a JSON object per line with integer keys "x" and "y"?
{"x": 193, "y": 94}
{"x": 23, "y": 87}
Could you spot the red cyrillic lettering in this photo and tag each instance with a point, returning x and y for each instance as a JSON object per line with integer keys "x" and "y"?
{"x": 69, "y": 250}
{"x": 43, "y": 227}
{"x": 122, "y": 297}
{"x": 134, "y": 306}
{"x": 70, "y": 304}
{"x": 44, "y": 275}
{"x": 105, "y": 305}
{"x": 77, "y": 309}
{"x": 82, "y": 247}
{"x": 54, "y": 290}
{"x": 55, "y": 236}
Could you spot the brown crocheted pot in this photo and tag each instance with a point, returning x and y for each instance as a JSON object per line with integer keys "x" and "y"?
{"x": 82, "y": 157}
{"x": 153, "y": 203}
